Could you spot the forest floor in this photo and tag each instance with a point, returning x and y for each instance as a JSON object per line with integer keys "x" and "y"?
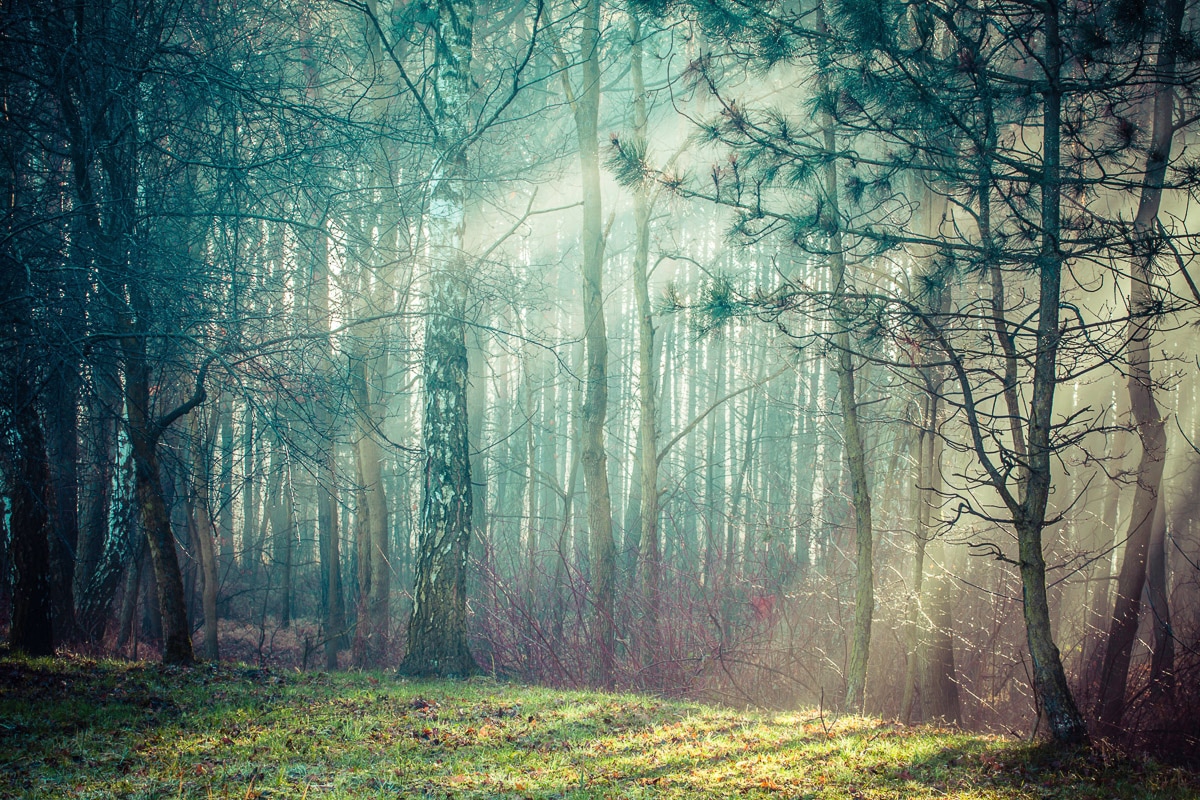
{"x": 75, "y": 727}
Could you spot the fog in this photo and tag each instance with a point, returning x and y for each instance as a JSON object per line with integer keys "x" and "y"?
{"x": 777, "y": 355}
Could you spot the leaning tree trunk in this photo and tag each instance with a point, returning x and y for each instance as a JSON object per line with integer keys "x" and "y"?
{"x": 145, "y": 432}
{"x": 1123, "y": 628}
{"x": 155, "y": 519}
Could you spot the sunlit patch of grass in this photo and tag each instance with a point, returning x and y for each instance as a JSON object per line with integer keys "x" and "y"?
{"x": 78, "y": 728}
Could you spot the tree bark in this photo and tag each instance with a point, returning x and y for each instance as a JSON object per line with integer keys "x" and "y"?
{"x": 602, "y": 555}
{"x": 1050, "y": 681}
{"x": 602, "y": 549}
{"x": 225, "y": 549}
{"x": 324, "y": 413}
{"x": 374, "y": 557}
{"x": 156, "y": 522}
{"x": 103, "y": 551}
{"x": 201, "y": 445}
{"x": 1162, "y": 661}
{"x": 649, "y": 548}
{"x": 855, "y": 455}
{"x": 62, "y": 448}
{"x": 437, "y": 630}
{"x": 914, "y": 617}
{"x": 31, "y": 498}
{"x": 1123, "y": 627}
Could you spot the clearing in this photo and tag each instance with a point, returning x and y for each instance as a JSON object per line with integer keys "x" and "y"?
{"x": 74, "y": 727}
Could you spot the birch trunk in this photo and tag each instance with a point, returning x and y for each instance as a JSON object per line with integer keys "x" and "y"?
{"x": 437, "y": 630}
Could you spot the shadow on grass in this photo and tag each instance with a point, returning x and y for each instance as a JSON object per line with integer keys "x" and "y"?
{"x": 72, "y": 715}
{"x": 138, "y": 730}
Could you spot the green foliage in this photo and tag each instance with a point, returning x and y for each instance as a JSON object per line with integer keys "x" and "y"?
{"x": 864, "y": 23}
{"x": 627, "y": 160}
{"x": 77, "y": 728}
{"x": 1131, "y": 18}
{"x": 719, "y": 305}
{"x": 723, "y": 18}
{"x": 776, "y": 45}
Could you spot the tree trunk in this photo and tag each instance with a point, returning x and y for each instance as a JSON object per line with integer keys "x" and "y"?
{"x": 156, "y": 522}
{"x": 602, "y": 555}
{"x": 649, "y": 566}
{"x": 144, "y": 434}
{"x": 252, "y": 545}
{"x": 1123, "y": 628}
{"x": 62, "y": 448}
{"x": 329, "y": 538}
{"x": 914, "y": 618}
{"x": 281, "y": 514}
{"x": 855, "y": 455}
{"x": 324, "y": 413}
{"x": 226, "y": 552}
{"x": 437, "y": 630}
{"x": 201, "y": 444}
{"x": 1101, "y": 575}
{"x": 1162, "y": 662}
{"x": 373, "y": 557}
{"x": 939, "y": 688}
{"x": 31, "y": 500}
{"x": 126, "y": 617}
{"x": 1050, "y": 681}
{"x": 103, "y": 551}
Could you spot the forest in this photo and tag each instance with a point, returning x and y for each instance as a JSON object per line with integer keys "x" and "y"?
{"x": 779, "y": 354}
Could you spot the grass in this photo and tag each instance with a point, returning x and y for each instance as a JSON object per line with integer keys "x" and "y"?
{"x": 73, "y": 727}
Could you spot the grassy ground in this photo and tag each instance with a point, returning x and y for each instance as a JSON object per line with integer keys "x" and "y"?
{"x": 78, "y": 728}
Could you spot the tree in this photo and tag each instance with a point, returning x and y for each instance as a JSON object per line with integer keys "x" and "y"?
{"x": 26, "y": 471}
{"x": 994, "y": 111}
{"x": 437, "y": 630}
{"x": 1144, "y": 311}
{"x": 585, "y": 106}
{"x": 202, "y": 434}
{"x": 649, "y": 548}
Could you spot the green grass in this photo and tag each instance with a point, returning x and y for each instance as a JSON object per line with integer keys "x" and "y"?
{"x": 78, "y": 728}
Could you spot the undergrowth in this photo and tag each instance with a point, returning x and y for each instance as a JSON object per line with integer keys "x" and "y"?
{"x": 73, "y": 727}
